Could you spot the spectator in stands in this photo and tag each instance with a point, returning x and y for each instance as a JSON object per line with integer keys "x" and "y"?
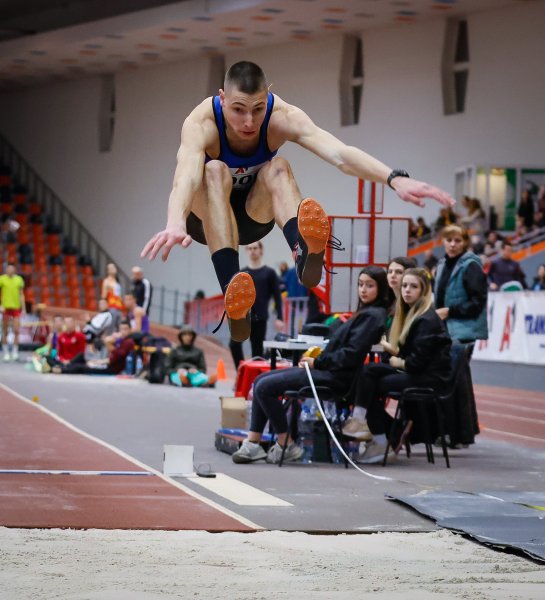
{"x": 8, "y": 228}
{"x": 335, "y": 367}
{"x": 282, "y": 269}
{"x": 294, "y": 287}
{"x": 119, "y": 346}
{"x": 70, "y": 343}
{"x": 142, "y": 289}
{"x": 101, "y": 324}
{"x": 111, "y": 292}
{"x": 461, "y": 288}
{"x": 540, "y": 213}
{"x": 475, "y": 220}
{"x": 12, "y": 306}
{"x": 526, "y": 211}
{"x": 430, "y": 263}
{"x": 297, "y": 295}
{"x": 476, "y": 243}
{"x": 538, "y": 284}
{"x": 485, "y": 262}
{"x": 421, "y": 228}
{"x": 419, "y": 346}
{"x": 494, "y": 240}
{"x": 394, "y": 274}
{"x": 446, "y": 217}
{"x": 49, "y": 349}
{"x": 267, "y": 286}
{"x": 356, "y": 426}
{"x": 186, "y": 364}
{"x": 136, "y": 315}
{"x": 504, "y": 269}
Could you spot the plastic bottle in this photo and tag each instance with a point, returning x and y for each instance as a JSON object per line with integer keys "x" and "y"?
{"x": 306, "y": 428}
{"x": 139, "y": 365}
{"x": 129, "y": 365}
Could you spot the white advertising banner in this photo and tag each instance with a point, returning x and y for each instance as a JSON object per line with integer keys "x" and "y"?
{"x": 516, "y": 328}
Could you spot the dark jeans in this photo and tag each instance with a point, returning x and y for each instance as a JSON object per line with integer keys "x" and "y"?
{"x": 257, "y": 337}
{"x": 269, "y": 387}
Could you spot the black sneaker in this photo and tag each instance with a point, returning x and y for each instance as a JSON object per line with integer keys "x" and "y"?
{"x": 314, "y": 229}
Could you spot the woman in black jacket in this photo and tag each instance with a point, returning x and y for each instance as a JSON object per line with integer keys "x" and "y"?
{"x": 420, "y": 357}
{"x": 335, "y": 368}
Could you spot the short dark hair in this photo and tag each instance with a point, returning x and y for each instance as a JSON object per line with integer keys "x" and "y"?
{"x": 506, "y": 243}
{"x": 247, "y": 77}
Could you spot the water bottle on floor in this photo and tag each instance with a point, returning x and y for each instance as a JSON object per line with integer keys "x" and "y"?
{"x": 306, "y": 429}
{"x": 129, "y": 365}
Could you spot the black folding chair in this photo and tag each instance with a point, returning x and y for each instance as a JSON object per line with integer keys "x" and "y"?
{"x": 428, "y": 409}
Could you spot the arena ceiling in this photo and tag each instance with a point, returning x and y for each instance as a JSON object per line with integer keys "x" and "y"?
{"x": 56, "y": 40}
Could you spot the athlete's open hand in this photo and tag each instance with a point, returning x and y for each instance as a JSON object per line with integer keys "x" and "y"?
{"x": 166, "y": 240}
{"x": 414, "y": 191}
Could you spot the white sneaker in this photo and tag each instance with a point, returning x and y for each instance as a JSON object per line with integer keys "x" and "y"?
{"x": 292, "y": 454}
{"x": 15, "y": 356}
{"x": 374, "y": 454}
{"x": 357, "y": 429}
{"x": 7, "y": 357}
{"x": 248, "y": 452}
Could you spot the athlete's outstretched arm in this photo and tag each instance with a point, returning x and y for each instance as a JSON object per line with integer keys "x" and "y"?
{"x": 353, "y": 161}
{"x": 187, "y": 180}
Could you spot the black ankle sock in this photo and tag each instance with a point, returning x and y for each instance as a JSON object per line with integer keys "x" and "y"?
{"x": 226, "y": 264}
{"x": 291, "y": 233}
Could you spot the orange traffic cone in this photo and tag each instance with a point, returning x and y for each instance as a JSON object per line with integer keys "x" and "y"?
{"x": 220, "y": 370}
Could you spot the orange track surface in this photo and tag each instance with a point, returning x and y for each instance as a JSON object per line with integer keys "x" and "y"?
{"x": 30, "y": 439}
{"x": 510, "y": 415}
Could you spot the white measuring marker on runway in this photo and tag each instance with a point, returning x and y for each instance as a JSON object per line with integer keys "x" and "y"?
{"x": 238, "y": 492}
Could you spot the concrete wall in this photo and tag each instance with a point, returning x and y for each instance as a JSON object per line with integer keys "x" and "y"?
{"x": 122, "y": 195}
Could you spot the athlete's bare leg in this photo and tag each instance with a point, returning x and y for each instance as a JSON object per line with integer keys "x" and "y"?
{"x": 5, "y": 327}
{"x": 212, "y": 207}
{"x": 16, "y": 325}
{"x": 275, "y": 194}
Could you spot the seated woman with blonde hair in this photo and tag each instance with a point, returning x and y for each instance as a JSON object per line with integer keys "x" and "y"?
{"x": 419, "y": 348}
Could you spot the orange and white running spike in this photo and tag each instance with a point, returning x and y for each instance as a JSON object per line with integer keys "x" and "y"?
{"x": 239, "y": 299}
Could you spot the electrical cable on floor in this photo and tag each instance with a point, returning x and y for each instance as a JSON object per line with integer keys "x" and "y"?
{"x": 341, "y": 449}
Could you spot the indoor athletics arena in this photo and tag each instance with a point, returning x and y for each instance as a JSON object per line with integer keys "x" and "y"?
{"x": 382, "y": 434}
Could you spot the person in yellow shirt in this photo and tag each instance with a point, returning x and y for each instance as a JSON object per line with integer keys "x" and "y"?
{"x": 12, "y": 305}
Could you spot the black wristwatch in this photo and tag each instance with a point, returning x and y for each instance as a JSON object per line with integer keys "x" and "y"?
{"x": 396, "y": 173}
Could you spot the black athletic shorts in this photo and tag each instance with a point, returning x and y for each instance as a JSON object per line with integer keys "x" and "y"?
{"x": 249, "y": 231}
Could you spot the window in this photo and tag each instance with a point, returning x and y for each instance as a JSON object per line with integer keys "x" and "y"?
{"x": 455, "y": 66}
{"x": 106, "y": 119}
{"x": 351, "y": 80}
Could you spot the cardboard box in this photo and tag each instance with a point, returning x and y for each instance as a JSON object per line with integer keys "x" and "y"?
{"x": 233, "y": 412}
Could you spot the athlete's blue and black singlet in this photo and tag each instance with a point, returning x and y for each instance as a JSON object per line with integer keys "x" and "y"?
{"x": 244, "y": 170}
